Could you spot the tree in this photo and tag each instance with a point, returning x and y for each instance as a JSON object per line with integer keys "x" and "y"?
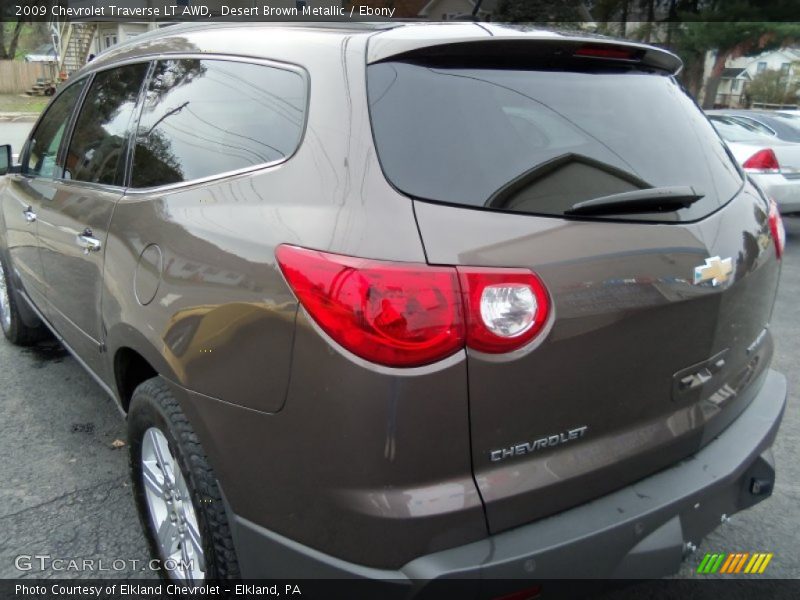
{"x": 773, "y": 87}
{"x": 9, "y": 39}
{"x": 648, "y": 15}
{"x": 541, "y": 11}
{"x": 731, "y": 28}
{"x": 736, "y": 39}
{"x": 8, "y": 52}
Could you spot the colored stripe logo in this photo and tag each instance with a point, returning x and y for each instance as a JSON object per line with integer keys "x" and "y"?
{"x": 735, "y": 562}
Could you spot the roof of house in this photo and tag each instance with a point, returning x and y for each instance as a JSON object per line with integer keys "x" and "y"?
{"x": 733, "y": 72}
{"x": 793, "y": 52}
{"x": 790, "y": 53}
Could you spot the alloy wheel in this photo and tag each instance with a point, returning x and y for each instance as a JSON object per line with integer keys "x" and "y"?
{"x": 5, "y": 302}
{"x": 171, "y": 510}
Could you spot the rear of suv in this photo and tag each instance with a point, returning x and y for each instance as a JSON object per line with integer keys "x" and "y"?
{"x": 407, "y": 302}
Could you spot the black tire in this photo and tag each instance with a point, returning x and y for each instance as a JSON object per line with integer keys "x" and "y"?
{"x": 153, "y": 405}
{"x": 14, "y": 328}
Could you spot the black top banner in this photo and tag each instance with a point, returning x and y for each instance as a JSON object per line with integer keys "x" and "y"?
{"x": 538, "y": 11}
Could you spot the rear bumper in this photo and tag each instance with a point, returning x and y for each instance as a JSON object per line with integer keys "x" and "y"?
{"x": 640, "y": 531}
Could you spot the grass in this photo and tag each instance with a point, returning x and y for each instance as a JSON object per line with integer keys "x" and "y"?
{"x": 22, "y": 103}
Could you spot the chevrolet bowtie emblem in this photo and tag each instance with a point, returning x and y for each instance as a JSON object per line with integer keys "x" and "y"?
{"x": 715, "y": 270}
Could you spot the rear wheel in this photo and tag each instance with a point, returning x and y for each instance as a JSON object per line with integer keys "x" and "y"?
{"x": 179, "y": 501}
{"x": 14, "y": 328}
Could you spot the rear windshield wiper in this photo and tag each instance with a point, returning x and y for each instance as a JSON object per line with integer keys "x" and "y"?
{"x": 648, "y": 200}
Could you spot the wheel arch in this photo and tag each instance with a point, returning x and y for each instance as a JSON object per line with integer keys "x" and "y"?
{"x": 135, "y": 360}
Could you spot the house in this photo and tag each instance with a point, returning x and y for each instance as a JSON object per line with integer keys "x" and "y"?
{"x": 110, "y": 34}
{"x": 78, "y": 42}
{"x": 732, "y": 90}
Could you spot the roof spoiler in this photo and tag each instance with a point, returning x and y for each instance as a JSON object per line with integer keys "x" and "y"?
{"x": 525, "y": 51}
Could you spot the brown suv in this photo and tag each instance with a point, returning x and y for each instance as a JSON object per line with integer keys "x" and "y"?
{"x": 405, "y": 301}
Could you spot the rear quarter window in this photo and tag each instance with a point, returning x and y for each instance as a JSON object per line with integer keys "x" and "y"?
{"x": 207, "y": 117}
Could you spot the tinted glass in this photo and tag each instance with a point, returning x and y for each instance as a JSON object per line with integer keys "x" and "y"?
{"x": 784, "y": 128}
{"x": 541, "y": 141}
{"x": 43, "y": 146}
{"x": 205, "y": 117}
{"x": 97, "y": 150}
{"x": 5, "y": 159}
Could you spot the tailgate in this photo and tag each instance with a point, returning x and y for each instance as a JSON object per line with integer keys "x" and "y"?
{"x": 641, "y": 366}
{"x": 661, "y": 289}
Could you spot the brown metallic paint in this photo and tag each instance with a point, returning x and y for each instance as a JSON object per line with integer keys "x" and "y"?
{"x": 374, "y": 463}
{"x": 627, "y": 316}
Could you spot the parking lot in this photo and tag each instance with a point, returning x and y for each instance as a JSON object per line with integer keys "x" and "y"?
{"x": 65, "y": 490}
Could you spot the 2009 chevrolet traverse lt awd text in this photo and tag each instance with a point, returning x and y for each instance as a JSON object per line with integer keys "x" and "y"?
{"x": 405, "y": 301}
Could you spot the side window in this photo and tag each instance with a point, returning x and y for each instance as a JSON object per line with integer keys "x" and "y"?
{"x": 206, "y": 117}
{"x": 41, "y": 159}
{"x": 97, "y": 149}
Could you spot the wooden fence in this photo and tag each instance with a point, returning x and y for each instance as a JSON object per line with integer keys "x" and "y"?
{"x": 17, "y": 76}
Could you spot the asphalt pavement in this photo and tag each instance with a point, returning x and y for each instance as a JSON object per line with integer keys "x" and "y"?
{"x": 64, "y": 488}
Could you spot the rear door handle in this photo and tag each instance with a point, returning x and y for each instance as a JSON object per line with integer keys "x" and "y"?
{"x": 30, "y": 216}
{"x": 88, "y": 242}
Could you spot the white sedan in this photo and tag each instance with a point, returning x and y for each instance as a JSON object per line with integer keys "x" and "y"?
{"x": 772, "y": 163}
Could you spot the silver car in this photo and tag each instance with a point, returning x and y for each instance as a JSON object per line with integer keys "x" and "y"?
{"x": 772, "y": 163}
{"x": 769, "y": 123}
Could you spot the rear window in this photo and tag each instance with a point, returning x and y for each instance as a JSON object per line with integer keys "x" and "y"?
{"x": 732, "y": 131}
{"x": 538, "y": 142}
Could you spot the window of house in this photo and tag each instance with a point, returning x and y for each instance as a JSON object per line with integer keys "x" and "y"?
{"x": 761, "y": 67}
{"x": 737, "y": 84}
{"x": 206, "y": 117}
{"x": 42, "y": 154}
{"x": 97, "y": 149}
{"x": 785, "y": 68}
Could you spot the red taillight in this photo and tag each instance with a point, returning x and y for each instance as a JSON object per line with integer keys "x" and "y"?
{"x": 405, "y": 314}
{"x": 528, "y": 593}
{"x": 606, "y": 51}
{"x": 776, "y": 228}
{"x": 395, "y": 314}
{"x": 506, "y": 308}
{"x": 763, "y": 161}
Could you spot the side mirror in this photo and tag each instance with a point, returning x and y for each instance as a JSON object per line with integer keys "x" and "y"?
{"x": 5, "y": 159}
